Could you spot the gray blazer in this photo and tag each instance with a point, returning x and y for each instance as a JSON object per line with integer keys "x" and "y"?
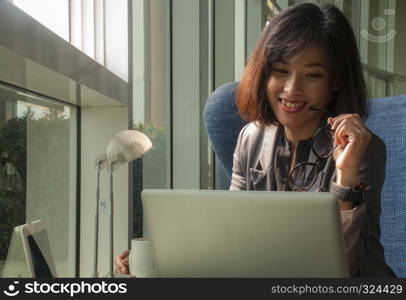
{"x": 253, "y": 169}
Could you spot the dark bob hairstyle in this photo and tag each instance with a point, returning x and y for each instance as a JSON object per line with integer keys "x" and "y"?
{"x": 288, "y": 34}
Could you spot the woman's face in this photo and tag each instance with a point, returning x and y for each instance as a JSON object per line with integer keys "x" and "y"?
{"x": 295, "y": 85}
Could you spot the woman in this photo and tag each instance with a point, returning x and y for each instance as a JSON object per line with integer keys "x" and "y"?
{"x": 305, "y": 73}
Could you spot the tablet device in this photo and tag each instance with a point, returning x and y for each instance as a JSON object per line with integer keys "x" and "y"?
{"x": 29, "y": 254}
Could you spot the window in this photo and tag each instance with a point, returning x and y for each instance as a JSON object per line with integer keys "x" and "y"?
{"x": 38, "y": 171}
{"x": 98, "y": 28}
{"x": 380, "y": 31}
{"x": 57, "y": 21}
{"x": 151, "y": 98}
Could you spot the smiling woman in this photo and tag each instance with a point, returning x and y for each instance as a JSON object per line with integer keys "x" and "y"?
{"x": 295, "y": 86}
{"x": 305, "y": 74}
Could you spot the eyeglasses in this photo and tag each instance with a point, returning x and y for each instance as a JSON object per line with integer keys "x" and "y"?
{"x": 304, "y": 174}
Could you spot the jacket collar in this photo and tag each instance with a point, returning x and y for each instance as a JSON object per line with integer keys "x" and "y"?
{"x": 271, "y": 132}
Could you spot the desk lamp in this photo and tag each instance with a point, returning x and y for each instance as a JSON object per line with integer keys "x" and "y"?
{"x": 125, "y": 146}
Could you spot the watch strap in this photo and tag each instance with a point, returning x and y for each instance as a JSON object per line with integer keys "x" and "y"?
{"x": 355, "y": 195}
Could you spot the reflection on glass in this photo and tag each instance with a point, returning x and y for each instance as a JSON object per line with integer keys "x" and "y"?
{"x": 151, "y": 171}
{"x": 38, "y": 171}
{"x": 380, "y": 31}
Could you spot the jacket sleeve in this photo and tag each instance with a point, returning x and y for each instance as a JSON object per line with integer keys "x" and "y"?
{"x": 361, "y": 224}
{"x": 238, "y": 177}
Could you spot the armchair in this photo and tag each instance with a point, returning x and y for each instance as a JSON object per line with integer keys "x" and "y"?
{"x": 387, "y": 120}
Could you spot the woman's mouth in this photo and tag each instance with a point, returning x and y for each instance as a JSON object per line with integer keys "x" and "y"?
{"x": 292, "y": 105}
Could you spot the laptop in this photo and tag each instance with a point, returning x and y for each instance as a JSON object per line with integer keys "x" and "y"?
{"x": 208, "y": 233}
{"x": 29, "y": 254}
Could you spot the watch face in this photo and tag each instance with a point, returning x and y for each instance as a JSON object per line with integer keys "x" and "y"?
{"x": 341, "y": 197}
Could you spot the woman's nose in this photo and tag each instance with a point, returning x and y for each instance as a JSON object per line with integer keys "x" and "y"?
{"x": 293, "y": 85}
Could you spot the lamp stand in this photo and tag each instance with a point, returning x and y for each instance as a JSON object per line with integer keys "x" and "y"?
{"x": 95, "y": 272}
{"x": 111, "y": 223}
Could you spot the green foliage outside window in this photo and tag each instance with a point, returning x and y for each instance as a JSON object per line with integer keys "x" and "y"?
{"x": 13, "y": 169}
{"x": 149, "y": 171}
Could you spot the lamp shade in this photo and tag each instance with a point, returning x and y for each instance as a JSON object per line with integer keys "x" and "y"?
{"x": 125, "y": 146}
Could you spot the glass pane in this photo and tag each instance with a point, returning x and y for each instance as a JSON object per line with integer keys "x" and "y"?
{"x": 54, "y": 14}
{"x": 116, "y": 38}
{"x": 376, "y": 87}
{"x": 88, "y": 28}
{"x": 397, "y": 47}
{"x": 151, "y": 106}
{"x": 373, "y": 33}
{"x": 303, "y": 176}
{"x": 323, "y": 143}
{"x": 38, "y": 171}
{"x": 399, "y": 87}
{"x": 282, "y": 4}
{"x": 152, "y": 171}
{"x": 379, "y": 27}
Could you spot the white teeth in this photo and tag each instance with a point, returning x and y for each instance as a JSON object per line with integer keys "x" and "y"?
{"x": 291, "y": 104}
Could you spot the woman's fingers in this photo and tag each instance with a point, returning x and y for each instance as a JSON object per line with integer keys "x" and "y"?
{"x": 351, "y": 138}
{"x": 348, "y": 131}
{"x": 121, "y": 262}
{"x": 347, "y": 119}
{"x": 349, "y": 128}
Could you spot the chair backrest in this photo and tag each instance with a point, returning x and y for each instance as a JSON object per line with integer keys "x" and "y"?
{"x": 387, "y": 120}
{"x": 223, "y": 124}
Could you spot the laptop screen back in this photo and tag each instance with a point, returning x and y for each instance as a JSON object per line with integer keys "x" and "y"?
{"x": 29, "y": 253}
{"x": 205, "y": 233}
{"x": 39, "y": 263}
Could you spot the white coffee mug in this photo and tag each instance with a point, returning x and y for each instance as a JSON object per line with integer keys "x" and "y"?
{"x": 141, "y": 260}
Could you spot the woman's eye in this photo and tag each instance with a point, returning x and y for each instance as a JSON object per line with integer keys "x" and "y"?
{"x": 313, "y": 75}
{"x": 280, "y": 71}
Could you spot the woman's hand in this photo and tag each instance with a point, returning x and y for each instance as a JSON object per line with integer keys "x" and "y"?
{"x": 351, "y": 139}
{"x": 121, "y": 262}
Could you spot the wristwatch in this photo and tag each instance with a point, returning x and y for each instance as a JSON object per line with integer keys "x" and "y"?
{"x": 343, "y": 193}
